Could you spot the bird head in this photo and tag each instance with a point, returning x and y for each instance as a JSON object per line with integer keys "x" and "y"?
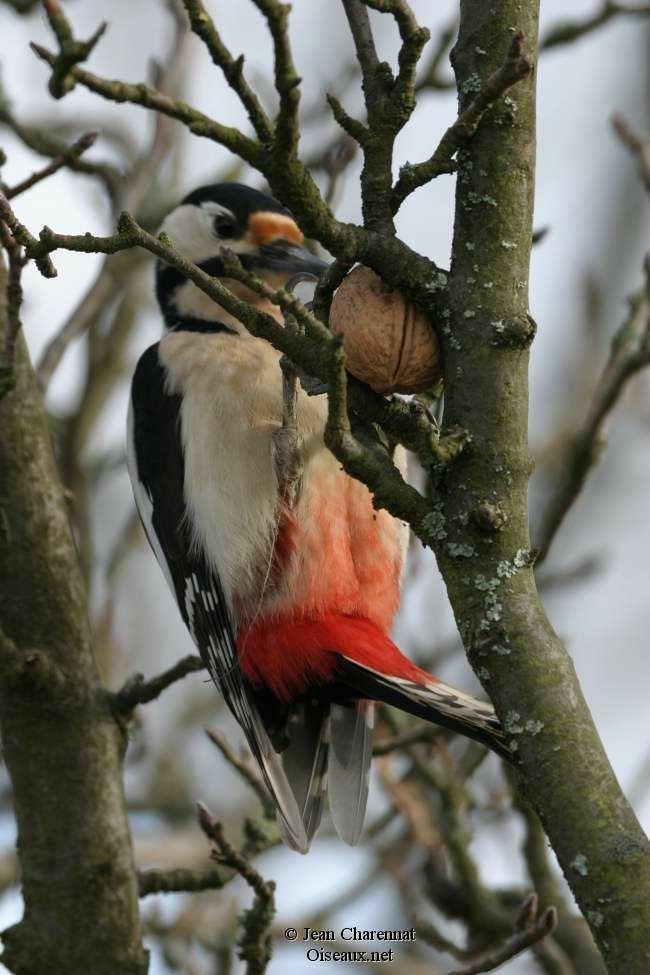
{"x": 229, "y": 217}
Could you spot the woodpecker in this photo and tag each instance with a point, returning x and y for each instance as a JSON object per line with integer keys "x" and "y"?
{"x": 290, "y": 606}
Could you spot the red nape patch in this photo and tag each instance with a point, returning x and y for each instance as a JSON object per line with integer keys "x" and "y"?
{"x": 287, "y": 655}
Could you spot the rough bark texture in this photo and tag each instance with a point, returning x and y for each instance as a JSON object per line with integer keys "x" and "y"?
{"x": 483, "y": 546}
{"x": 62, "y": 747}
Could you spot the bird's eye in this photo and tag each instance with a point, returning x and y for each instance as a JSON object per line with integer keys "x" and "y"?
{"x": 225, "y": 226}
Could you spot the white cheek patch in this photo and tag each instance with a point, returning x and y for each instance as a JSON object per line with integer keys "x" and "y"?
{"x": 191, "y": 231}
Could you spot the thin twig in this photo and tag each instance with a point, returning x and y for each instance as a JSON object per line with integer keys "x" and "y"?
{"x": 519, "y": 943}
{"x": 630, "y": 353}
{"x": 245, "y": 770}
{"x": 137, "y": 690}
{"x": 233, "y": 68}
{"x": 411, "y": 176}
{"x": 430, "y": 77}
{"x": 148, "y": 97}
{"x": 67, "y": 158}
{"x": 389, "y": 103}
{"x": 255, "y": 944}
{"x": 413, "y": 39}
{"x": 287, "y": 81}
{"x": 289, "y": 178}
{"x": 110, "y": 277}
{"x": 422, "y": 734}
{"x": 640, "y": 148}
{"x": 44, "y": 142}
{"x": 130, "y": 194}
{"x": 180, "y": 880}
{"x": 571, "y": 30}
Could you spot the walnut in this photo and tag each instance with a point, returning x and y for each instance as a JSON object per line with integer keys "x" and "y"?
{"x": 389, "y": 343}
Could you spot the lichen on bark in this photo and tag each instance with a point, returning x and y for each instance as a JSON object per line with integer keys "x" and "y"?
{"x": 563, "y": 768}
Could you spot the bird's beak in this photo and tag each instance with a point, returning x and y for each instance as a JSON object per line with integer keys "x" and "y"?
{"x": 285, "y": 257}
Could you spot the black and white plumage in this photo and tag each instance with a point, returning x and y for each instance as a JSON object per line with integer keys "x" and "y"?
{"x": 156, "y": 466}
{"x": 289, "y": 609}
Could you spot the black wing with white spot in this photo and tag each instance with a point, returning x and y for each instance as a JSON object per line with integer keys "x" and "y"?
{"x": 434, "y": 701}
{"x": 156, "y": 466}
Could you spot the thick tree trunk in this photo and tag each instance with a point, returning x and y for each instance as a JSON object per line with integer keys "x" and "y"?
{"x": 485, "y": 557}
{"x": 62, "y": 747}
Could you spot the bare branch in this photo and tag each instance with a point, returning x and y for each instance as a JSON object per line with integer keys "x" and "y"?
{"x": 431, "y": 75}
{"x": 531, "y": 935}
{"x": 571, "y": 30}
{"x": 71, "y": 51}
{"x": 233, "y": 68}
{"x": 67, "y": 158}
{"x": 630, "y": 353}
{"x": 413, "y": 39}
{"x": 245, "y": 770}
{"x": 46, "y": 143}
{"x": 130, "y": 192}
{"x": 287, "y": 82}
{"x": 180, "y": 880}
{"x": 87, "y": 311}
{"x": 421, "y": 734}
{"x": 147, "y": 97}
{"x": 412, "y": 176}
{"x": 359, "y": 21}
{"x": 255, "y": 943}
{"x": 638, "y": 147}
{"x": 137, "y": 690}
{"x": 22, "y": 235}
{"x": 389, "y": 103}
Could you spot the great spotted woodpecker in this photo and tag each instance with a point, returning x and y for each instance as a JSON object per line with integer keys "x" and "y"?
{"x": 290, "y": 608}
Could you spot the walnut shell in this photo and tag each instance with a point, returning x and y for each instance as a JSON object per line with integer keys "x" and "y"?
{"x": 388, "y": 342}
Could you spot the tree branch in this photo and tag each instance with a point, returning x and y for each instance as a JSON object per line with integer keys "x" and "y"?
{"x": 567, "y": 32}
{"x": 508, "y": 638}
{"x": 629, "y": 354}
{"x": 14, "y": 299}
{"x": 514, "y": 68}
{"x": 67, "y": 158}
{"x": 288, "y": 177}
{"x": 233, "y": 68}
{"x": 137, "y": 690}
{"x": 255, "y": 944}
{"x": 287, "y": 82}
{"x": 430, "y": 78}
{"x": 640, "y": 148}
{"x": 244, "y": 769}
{"x": 533, "y": 932}
{"x": 147, "y": 97}
{"x": 181, "y": 880}
{"x": 389, "y": 103}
